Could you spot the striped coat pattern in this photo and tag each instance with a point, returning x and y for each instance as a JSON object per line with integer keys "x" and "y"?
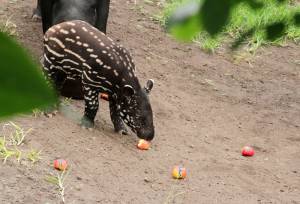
{"x": 77, "y": 50}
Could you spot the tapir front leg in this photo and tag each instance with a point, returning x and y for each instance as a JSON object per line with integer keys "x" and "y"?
{"x": 91, "y": 106}
{"x": 116, "y": 119}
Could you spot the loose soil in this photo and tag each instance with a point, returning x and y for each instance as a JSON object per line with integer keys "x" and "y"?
{"x": 206, "y": 108}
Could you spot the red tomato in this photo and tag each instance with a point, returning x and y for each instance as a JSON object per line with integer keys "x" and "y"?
{"x": 60, "y": 164}
{"x": 247, "y": 151}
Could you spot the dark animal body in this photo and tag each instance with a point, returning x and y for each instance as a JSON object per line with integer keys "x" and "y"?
{"x": 52, "y": 12}
{"x": 77, "y": 50}
{"x": 95, "y": 12}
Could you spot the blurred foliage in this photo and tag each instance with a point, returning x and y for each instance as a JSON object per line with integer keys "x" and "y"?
{"x": 210, "y": 22}
{"x": 22, "y": 84}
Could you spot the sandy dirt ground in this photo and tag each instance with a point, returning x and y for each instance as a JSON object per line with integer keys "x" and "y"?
{"x": 206, "y": 108}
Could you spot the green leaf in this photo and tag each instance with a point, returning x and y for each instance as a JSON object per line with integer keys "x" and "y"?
{"x": 52, "y": 180}
{"x": 184, "y": 22}
{"x": 187, "y": 30}
{"x": 22, "y": 85}
{"x": 182, "y": 14}
{"x": 215, "y": 15}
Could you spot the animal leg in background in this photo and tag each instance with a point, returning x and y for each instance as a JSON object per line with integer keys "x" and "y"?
{"x": 46, "y": 7}
{"x": 102, "y": 11}
{"x": 36, "y": 15}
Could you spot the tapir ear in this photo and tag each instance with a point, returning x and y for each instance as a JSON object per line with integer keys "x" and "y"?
{"x": 127, "y": 90}
{"x": 149, "y": 85}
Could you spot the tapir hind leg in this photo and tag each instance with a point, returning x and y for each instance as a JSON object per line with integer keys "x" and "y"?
{"x": 57, "y": 77}
{"x": 91, "y": 105}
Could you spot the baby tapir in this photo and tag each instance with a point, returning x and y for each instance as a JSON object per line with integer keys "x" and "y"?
{"x": 75, "y": 49}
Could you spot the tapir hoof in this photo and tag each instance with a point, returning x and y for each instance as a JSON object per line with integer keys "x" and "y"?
{"x": 120, "y": 128}
{"x": 36, "y": 16}
{"x": 86, "y": 123}
{"x": 123, "y": 132}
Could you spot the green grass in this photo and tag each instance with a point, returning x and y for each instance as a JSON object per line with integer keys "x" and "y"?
{"x": 59, "y": 182}
{"x": 168, "y": 7}
{"x": 11, "y": 139}
{"x": 34, "y": 156}
{"x": 7, "y": 151}
{"x": 8, "y": 27}
{"x": 242, "y": 19}
{"x": 18, "y": 134}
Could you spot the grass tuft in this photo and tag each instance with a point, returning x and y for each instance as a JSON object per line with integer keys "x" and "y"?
{"x": 18, "y": 135}
{"x": 37, "y": 113}
{"x": 34, "y": 156}
{"x": 8, "y": 27}
{"x": 9, "y": 145}
{"x": 243, "y": 19}
{"x": 59, "y": 182}
{"x": 7, "y": 152}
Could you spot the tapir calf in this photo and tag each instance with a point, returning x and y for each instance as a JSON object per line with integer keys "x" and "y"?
{"x": 77, "y": 50}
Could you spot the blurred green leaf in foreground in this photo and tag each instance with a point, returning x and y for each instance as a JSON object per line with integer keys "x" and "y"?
{"x": 22, "y": 85}
{"x": 256, "y": 21}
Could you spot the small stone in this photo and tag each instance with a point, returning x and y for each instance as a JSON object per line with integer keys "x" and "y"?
{"x": 191, "y": 146}
{"x": 77, "y": 188}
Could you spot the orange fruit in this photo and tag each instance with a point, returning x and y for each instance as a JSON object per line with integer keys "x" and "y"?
{"x": 104, "y": 96}
{"x": 179, "y": 172}
{"x": 143, "y": 144}
{"x": 60, "y": 164}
